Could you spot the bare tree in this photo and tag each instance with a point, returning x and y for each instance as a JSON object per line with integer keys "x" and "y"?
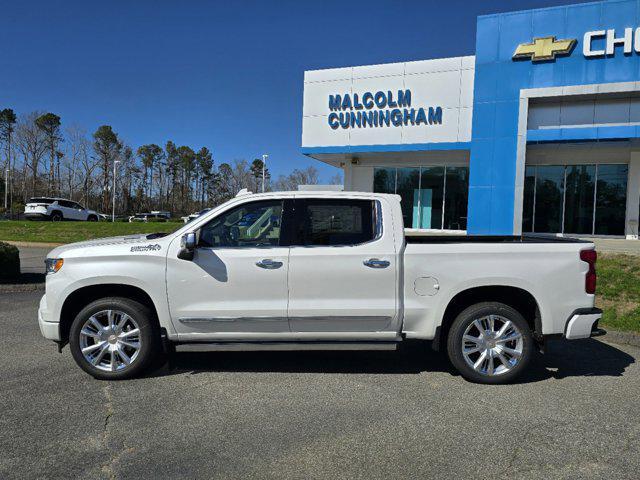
{"x": 308, "y": 176}
{"x": 31, "y": 142}
{"x": 336, "y": 179}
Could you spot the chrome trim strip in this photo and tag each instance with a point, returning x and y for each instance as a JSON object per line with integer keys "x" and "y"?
{"x": 342, "y": 317}
{"x": 191, "y": 320}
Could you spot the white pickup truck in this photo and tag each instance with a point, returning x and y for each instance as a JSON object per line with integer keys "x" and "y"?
{"x": 316, "y": 270}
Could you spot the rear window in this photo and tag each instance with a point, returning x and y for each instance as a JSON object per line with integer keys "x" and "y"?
{"x": 335, "y": 222}
{"x": 48, "y": 201}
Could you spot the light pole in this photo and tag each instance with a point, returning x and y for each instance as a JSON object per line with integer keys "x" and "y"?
{"x": 113, "y": 194}
{"x": 264, "y": 166}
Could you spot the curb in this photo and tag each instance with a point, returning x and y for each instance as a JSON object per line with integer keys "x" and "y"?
{"x": 621, "y": 338}
{"x": 32, "y": 244}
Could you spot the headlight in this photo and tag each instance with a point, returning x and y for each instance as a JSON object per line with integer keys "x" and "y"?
{"x": 53, "y": 264}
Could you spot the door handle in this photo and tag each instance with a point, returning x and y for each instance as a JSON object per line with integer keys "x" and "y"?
{"x": 269, "y": 264}
{"x": 375, "y": 263}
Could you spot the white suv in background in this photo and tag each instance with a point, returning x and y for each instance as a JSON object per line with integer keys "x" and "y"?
{"x": 57, "y": 209}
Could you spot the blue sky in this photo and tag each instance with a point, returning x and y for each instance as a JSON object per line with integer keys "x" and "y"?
{"x": 227, "y": 75}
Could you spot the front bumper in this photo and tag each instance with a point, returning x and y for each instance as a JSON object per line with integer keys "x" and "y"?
{"x": 49, "y": 330}
{"x": 583, "y": 323}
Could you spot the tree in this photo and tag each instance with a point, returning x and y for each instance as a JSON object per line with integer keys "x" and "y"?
{"x": 107, "y": 147}
{"x": 32, "y": 144}
{"x": 49, "y": 123}
{"x": 256, "y": 171}
{"x": 7, "y": 123}
{"x": 336, "y": 179}
{"x": 79, "y": 158}
{"x": 308, "y": 176}
{"x": 223, "y": 187}
{"x": 186, "y": 162}
{"x": 150, "y": 155}
{"x": 204, "y": 160}
{"x": 171, "y": 155}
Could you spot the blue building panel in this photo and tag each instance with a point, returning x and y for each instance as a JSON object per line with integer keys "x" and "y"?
{"x": 499, "y": 81}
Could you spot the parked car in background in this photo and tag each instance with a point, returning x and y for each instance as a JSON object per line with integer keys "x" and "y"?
{"x": 57, "y": 209}
{"x": 155, "y": 215}
{"x": 195, "y": 215}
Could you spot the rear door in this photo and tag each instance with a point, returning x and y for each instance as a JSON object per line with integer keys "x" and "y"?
{"x": 342, "y": 267}
{"x": 64, "y": 207}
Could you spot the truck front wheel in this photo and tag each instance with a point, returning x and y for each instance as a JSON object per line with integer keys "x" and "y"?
{"x": 114, "y": 338}
{"x": 490, "y": 343}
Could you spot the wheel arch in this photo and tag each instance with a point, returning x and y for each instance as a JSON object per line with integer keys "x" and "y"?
{"x": 81, "y": 297}
{"x": 518, "y": 298}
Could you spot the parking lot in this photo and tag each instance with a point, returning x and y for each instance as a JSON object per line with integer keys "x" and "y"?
{"x": 313, "y": 415}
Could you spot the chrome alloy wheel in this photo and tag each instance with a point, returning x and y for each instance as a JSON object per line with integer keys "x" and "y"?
{"x": 492, "y": 345}
{"x": 110, "y": 340}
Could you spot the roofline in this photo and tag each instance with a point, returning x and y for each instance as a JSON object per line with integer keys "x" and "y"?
{"x": 556, "y": 7}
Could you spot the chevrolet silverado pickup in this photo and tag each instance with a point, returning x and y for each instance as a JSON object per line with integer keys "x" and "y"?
{"x": 316, "y": 270}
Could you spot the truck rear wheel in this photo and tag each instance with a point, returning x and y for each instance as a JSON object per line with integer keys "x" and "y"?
{"x": 490, "y": 343}
{"x": 114, "y": 338}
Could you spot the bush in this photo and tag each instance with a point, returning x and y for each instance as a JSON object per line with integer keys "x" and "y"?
{"x": 9, "y": 261}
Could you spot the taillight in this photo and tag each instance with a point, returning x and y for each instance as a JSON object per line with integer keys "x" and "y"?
{"x": 590, "y": 256}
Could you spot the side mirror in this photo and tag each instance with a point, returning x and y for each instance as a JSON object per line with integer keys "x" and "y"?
{"x": 187, "y": 246}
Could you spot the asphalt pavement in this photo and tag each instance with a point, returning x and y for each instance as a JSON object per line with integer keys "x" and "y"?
{"x": 308, "y": 415}
{"x": 32, "y": 259}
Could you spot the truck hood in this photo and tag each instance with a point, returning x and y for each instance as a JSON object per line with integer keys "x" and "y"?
{"x": 102, "y": 242}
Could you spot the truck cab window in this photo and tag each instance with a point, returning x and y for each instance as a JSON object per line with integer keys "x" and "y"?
{"x": 256, "y": 224}
{"x": 335, "y": 222}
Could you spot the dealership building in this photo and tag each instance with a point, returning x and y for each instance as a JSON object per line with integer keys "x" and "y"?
{"x": 539, "y": 131}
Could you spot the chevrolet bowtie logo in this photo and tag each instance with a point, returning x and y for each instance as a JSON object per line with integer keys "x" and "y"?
{"x": 545, "y": 48}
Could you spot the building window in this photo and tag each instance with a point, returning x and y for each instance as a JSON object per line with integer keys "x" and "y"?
{"x": 456, "y": 198}
{"x": 529, "y": 200}
{"x": 433, "y": 197}
{"x": 549, "y": 199}
{"x": 580, "y": 188}
{"x": 408, "y": 187}
{"x": 611, "y": 199}
{"x": 575, "y": 199}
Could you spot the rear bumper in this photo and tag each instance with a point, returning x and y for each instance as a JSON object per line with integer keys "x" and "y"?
{"x": 583, "y": 323}
{"x": 35, "y": 216}
{"x": 49, "y": 330}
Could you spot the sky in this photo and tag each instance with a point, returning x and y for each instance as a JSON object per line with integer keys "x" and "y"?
{"x": 227, "y": 75}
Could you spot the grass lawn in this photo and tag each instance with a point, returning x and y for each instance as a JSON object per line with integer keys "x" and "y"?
{"x": 67, "y": 232}
{"x": 618, "y": 291}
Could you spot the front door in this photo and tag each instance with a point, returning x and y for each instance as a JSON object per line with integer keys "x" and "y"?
{"x": 342, "y": 267}
{"x": 237, "y": 281}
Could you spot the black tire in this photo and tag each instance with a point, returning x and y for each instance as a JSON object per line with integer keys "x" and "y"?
{"x": 479, "y": 311}
{"x": 92, "y": 218}
{"x": 149, "y": 337}
{"x": 56, "y": 217}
